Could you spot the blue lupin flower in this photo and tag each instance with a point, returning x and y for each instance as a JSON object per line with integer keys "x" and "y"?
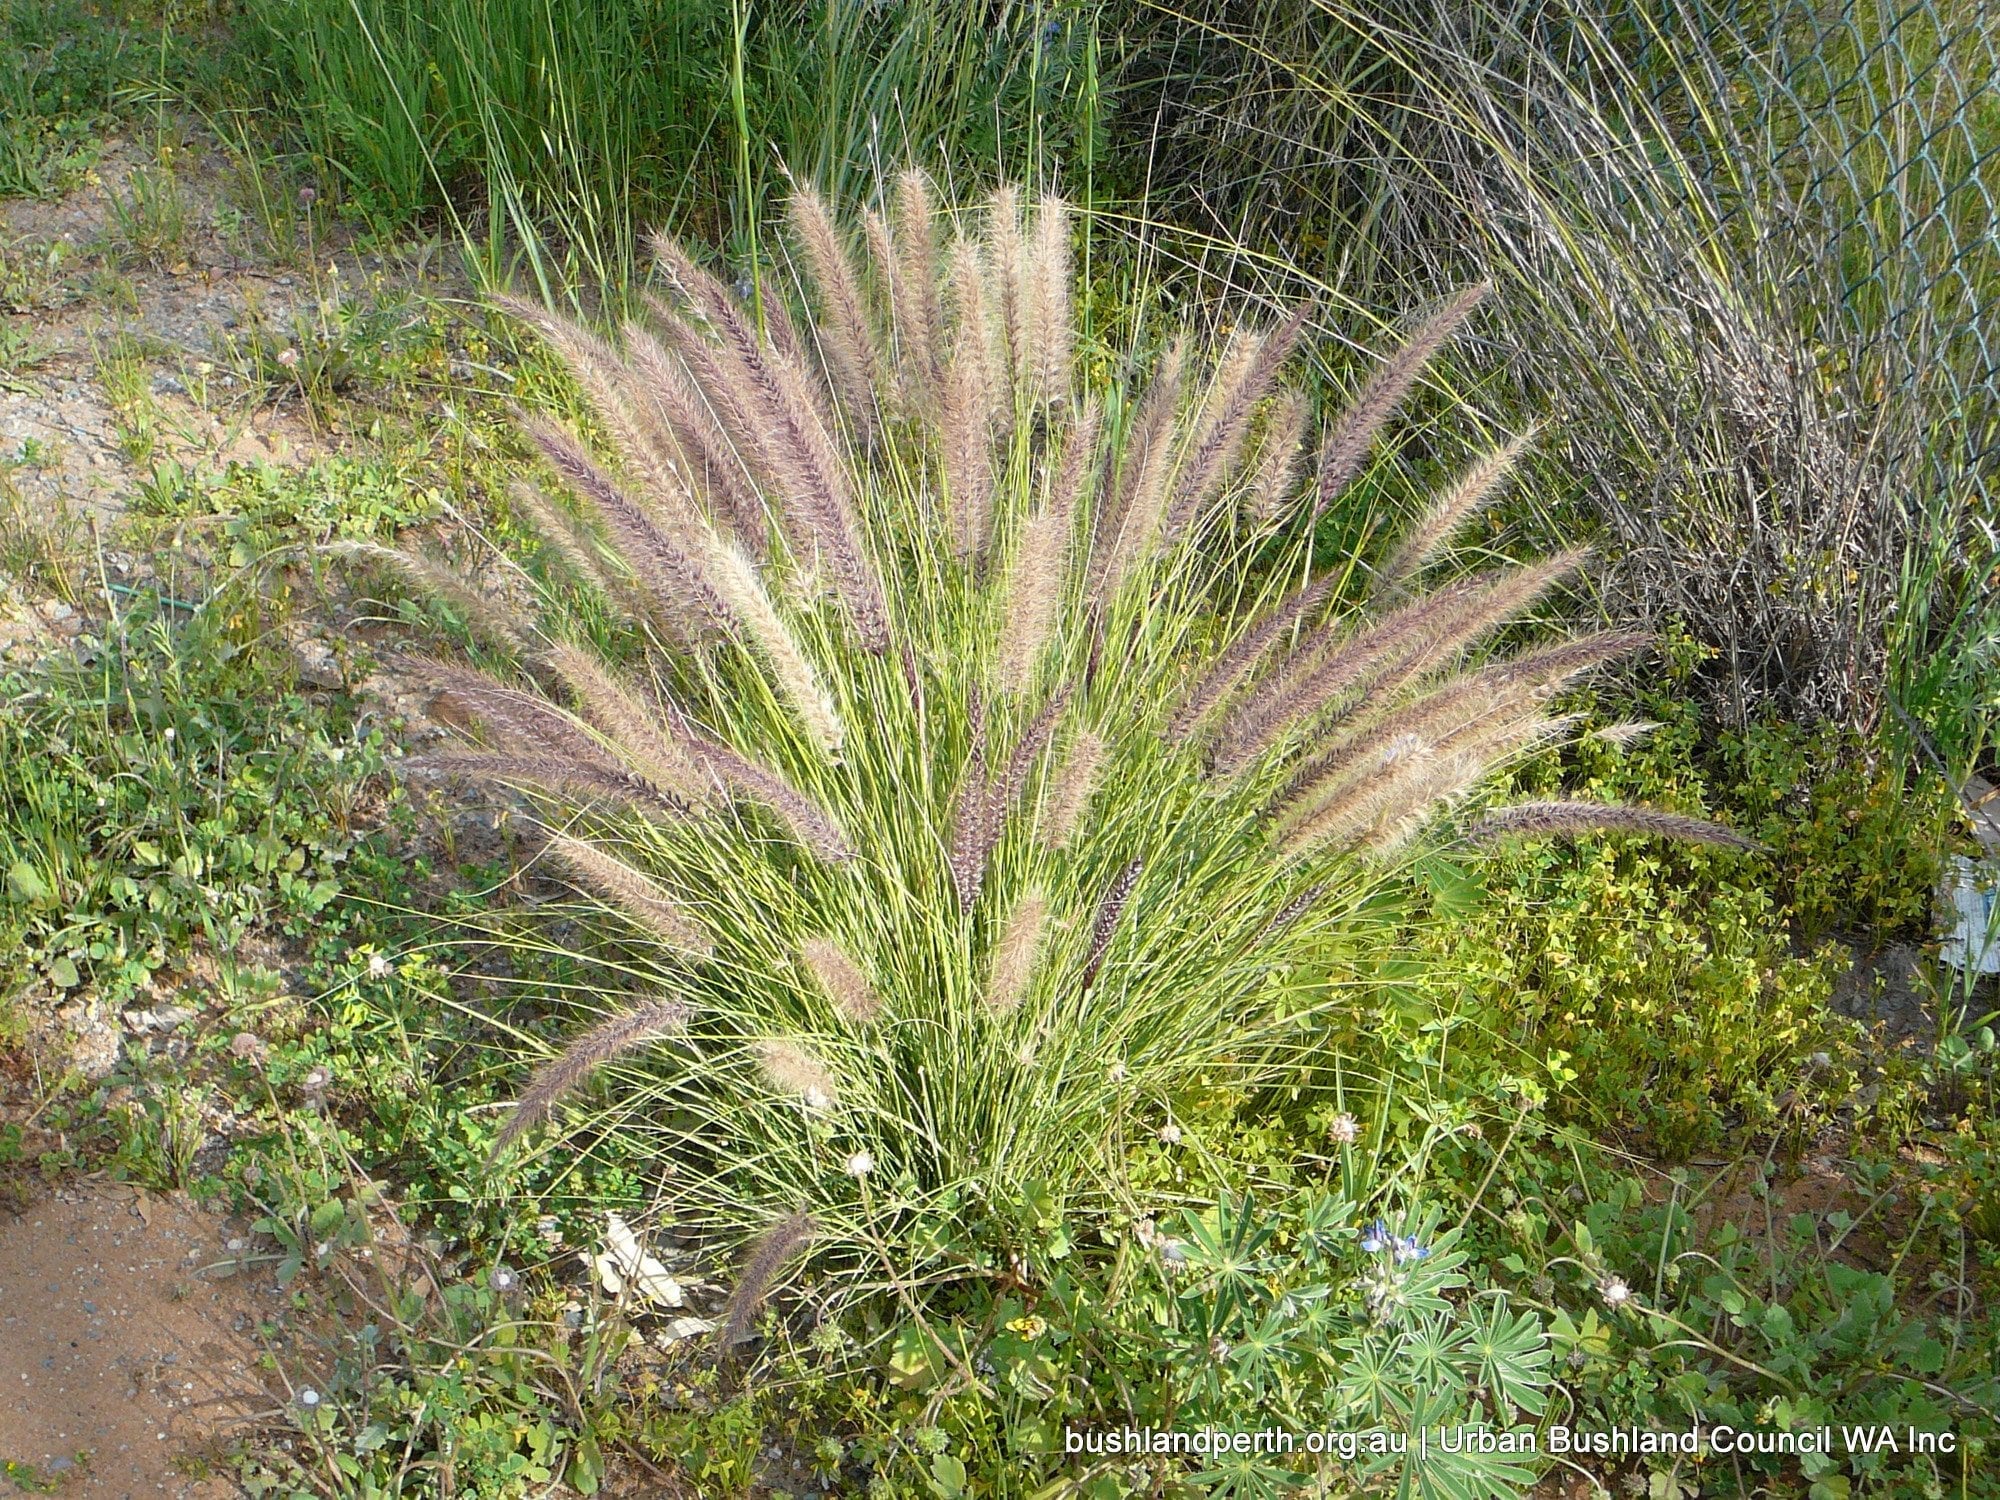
{"x": 1377, "y": 1238}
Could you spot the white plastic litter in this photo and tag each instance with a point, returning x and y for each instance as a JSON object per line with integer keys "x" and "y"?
{"x": 1972, "y": 889}
{"x": 625, "y": 1262}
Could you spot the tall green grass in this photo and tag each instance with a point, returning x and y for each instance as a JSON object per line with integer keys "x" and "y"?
{"x": 550, "y": 135}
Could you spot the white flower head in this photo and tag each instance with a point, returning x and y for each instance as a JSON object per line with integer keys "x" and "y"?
{"x": 1344, "y": 1129}
{"x": 1170, "y": 1135}
{"x": 1614, "y": 1291}
{"x": 308, "y": 1397}
{"x": 379, "y": 966}
{"x": 859, "y": 1165}
{"x": 502, "y": 1279}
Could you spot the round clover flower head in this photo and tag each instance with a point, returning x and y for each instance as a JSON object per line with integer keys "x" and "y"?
{"x": 502, "y": 1279}
{"x": 1614, "y": 1291}
{"x": 1170, "y": 1135}
{"x": 1343, "y": 1129}
{"x": 859, "y": 1165}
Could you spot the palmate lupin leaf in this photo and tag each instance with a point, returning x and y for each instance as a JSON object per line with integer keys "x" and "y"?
{"x": 952, "y": 840}
{"x": 1514, "y": 1357}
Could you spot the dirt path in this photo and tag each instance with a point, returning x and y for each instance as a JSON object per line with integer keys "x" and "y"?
{"x": 127, "y": 1363}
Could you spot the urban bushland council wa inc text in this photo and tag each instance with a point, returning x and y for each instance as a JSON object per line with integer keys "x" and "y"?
{"x": 1610, "y": 1442}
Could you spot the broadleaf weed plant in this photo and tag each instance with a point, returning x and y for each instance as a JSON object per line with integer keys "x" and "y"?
{"x": 984, "y": 756}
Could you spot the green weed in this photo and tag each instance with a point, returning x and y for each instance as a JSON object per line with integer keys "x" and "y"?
{"x": 151, "y": 798}
{"x": 261, "y": 506}
{"x": 152, "y": 217}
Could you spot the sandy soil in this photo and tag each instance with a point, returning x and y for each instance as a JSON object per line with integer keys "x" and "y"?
{"x": 128, "y": 1345}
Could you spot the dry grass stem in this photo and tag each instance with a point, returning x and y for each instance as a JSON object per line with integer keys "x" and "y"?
{"x": 809, "y": 823}
{"x": 553, "y": 774}
{"x": 1009, "y": 285}
{"x": 1626, "y": 731}
{"x": 1279, "y": 452}
{"x": 1130, "y": 524}
{"x": 486, "y": 617}
{"x": 571, "y": 539}
{"x": 642, "y": 738}
{"x": 972, "y": 816}
{"x": 1104, "y": 927}
{"x": 648, "y": 448}
{"x": 1033, "y": 598}
{"x": 1219, "y": 440}
{"x": 1052, "y": 319}
{"x": 670, "y": 570}
{"x": 739, "y": 581}
{"x": 1075, "y": 784}
{"x": 966, "y": 442}
{"x": 792, "y": 1070}
{"x": 1243, "y": 655}
{"x": 1421, "y": 637}
{"x": 714, "y": 467}
{"x": 919, "y": 313}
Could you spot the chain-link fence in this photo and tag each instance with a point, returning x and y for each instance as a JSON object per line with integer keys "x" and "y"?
{"x": 1865, "y": 136}
{"x": 1748, "y": 261}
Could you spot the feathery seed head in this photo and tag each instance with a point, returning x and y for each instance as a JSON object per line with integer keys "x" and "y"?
{"x": 1017, "y": 952}
{"x": 635, "y": 894}
{"x": 821, "y": 716}
{"x": 841, "y": 979}
{"x": 790, "y": 1069}
{"x": 1347, "y": 442}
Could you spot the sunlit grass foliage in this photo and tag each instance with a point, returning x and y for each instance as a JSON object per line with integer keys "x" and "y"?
{"x": 984, "y": 756}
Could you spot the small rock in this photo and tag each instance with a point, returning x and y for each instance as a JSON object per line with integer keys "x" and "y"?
{"x": 317, "y": 665}
{"x": 161, "y": 1018}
